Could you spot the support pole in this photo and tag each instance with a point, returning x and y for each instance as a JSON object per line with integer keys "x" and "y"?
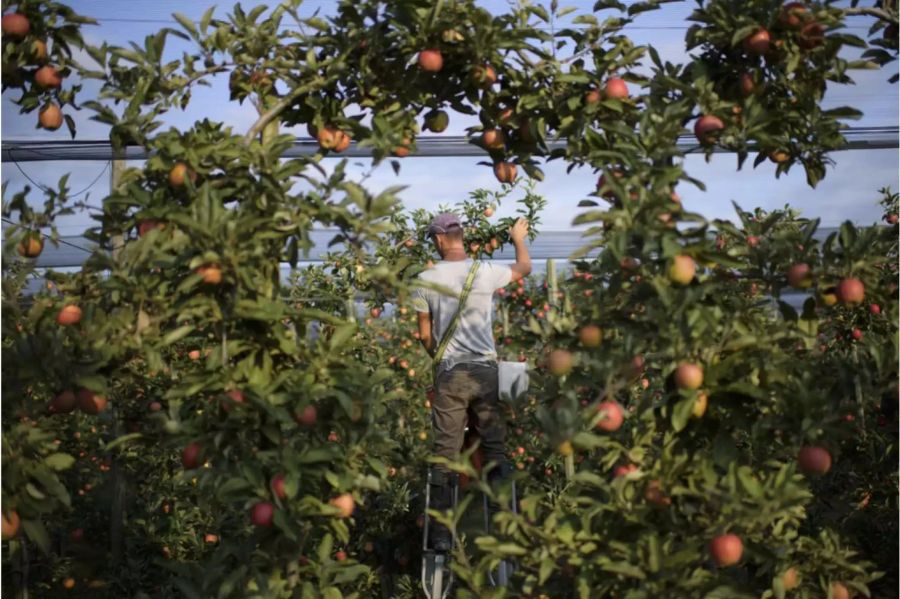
{"x": 351, "y": 308}
{"x": 117, "y": 510}
{"x": 552, "y": 283}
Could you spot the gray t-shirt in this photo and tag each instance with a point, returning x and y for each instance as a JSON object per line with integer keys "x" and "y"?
{"x": 473, "y": 340}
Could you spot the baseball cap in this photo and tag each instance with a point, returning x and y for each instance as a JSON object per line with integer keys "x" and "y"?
{"x": 443, "y": 223}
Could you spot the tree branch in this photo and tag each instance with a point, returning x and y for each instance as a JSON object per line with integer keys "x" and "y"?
{"x": 271, "y": 114}
{"x": 867, "y": 11}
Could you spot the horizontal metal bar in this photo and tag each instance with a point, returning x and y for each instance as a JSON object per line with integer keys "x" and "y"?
{"x": 431, "y": 146}
{"x": 548, "y": 244}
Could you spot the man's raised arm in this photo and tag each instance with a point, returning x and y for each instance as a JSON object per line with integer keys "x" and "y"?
{"x": 517, "y": 234}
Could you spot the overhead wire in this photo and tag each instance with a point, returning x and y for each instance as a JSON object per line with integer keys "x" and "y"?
{"x": 45, "y": 236}
{"x": 46, "y": 189}
{"x": 561, "y": 26}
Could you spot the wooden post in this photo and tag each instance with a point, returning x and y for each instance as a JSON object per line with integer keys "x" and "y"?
{"x": 117, "y": 510}
{"x": 570, "y": 466}
{"x": 351, "y": 307}
{"x": 552, "y": 284}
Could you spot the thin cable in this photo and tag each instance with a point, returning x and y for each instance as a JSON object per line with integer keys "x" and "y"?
{"x": 291, "y": 26}
{"x": 47, "y": 189}
{"x": 63, "y": 241}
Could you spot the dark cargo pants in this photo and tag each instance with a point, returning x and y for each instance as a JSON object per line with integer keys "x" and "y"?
{"x": 468, "y": 387}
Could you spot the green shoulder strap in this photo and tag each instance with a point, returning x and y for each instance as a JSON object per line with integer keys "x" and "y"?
{"x": 451, "y": 328}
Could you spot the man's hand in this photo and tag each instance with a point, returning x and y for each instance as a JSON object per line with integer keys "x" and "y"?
{"x": 519, "y": 230}
{"x": 522, "y": 267}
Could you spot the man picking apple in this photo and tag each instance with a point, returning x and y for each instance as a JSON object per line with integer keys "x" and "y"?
{"x": 461, "y": 343}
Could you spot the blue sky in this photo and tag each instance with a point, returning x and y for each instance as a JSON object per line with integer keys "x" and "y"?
{"x": 849, "y": 190}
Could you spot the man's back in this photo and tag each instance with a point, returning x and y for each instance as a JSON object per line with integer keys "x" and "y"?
{"x": 473, "y": 340}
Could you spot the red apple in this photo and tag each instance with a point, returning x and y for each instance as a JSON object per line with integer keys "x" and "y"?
{"x": 839, "y": 591}
{"x": 624, "y": 469}
{"x": 653, "y": 493}
{"x": 748, "y": 83}
{"x": 9, "y": 526}
{"x": 278, "y": 486}
{"x": 757, "y": 43}
{"x": 505, "y": 172}
{"x": 190, "y": 456}
{"x": 688, "y": 376}
{"x": 145, "y": 226}
{"x": 850, "y": 291}
{"x": 15, "y": 26}
{"x": 484, "y": 76}
{"x": 792, "y": 15}
{"x": 63, "y": 403}
{"x": 616, "y": 88}
{"x": 612, "y": 416}
{"x": 263, "y": 513}
{"x": 560, "y": 362}
{"x": 590, "y": 335}
{"x": 69, "y": 315}
{"x": 706, "y": 127}
{"x": 726, "y": 550}
{"x": 91, "y": 403}
{"x": 814, "y": 460}
{"x": 799, "y": 276}
{"x": 493, "y": 139}
{"x": 344, "y": 503}
{"x": 308, "y": 416}
{"x": 790, "y": 579}
{"x": 811, "y": 36}
{"x": 48, "y": 77}
{"x": 431, "y": 60}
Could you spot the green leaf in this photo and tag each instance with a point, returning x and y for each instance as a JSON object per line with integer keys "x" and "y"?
{"x": 787, "y": 311}
{"x": 317, "y": 23}
{"x": 232, "y": 489}
{"x": 724, "y": 450}
{"x": 32, "y": 490}
{"x": 589, "y": 478}
{"x": 91, "y": 382}
{"x": 178, "y": 334}
{"x": 186, "y": 23}
{"x": 511, "y": 549}
{"x": 341, "y": 335}
{"x": 318, "y": 454}
{"x": 35, "y": 531}
{"x": 351, "y": 573}
{"x": 742, "y": 33}
{"x": 843, "y": 112}
{"x": 326, "y": 545}
{"x": 681, "y": 413}
{"x": 624, "y": 568}
{"x": 546, "y": 569}
{"x": 750, "y": 484}
{"x": 59, "y": 461}
{"x": 123, "y": 439}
